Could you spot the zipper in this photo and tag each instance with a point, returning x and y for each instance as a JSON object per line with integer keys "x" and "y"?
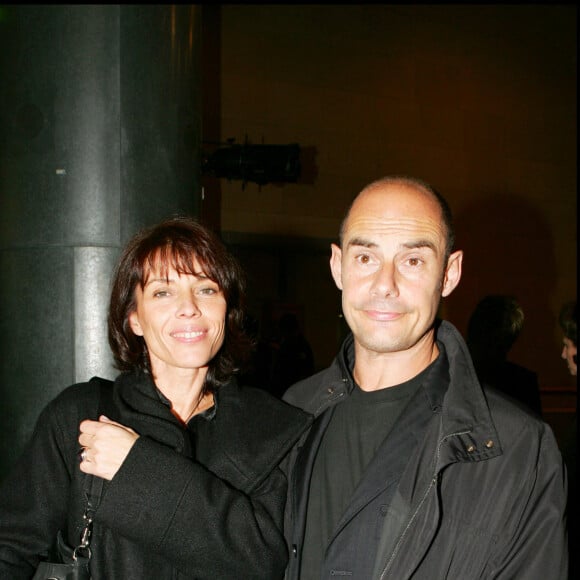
{"x": 423, "y": 499}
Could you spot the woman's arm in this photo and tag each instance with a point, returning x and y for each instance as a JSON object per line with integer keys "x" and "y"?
{"x": 34, "y": 496}
{"x": 180, "y": 509}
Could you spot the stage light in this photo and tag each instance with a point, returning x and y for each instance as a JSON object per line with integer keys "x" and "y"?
{"x": 259, "y": 164}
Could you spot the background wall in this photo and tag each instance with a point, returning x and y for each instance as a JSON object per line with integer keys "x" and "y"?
{"x": 480, "y": 101}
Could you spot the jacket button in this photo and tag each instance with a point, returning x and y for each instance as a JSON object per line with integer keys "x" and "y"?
{"x": 471, "y": 449}
{"x": 330, "y": 390}
{"x": 294, "y": 550}
{"x": 489, "y": 443}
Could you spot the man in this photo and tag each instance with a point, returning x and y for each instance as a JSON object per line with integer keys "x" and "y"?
{"x": 408, "y": 471}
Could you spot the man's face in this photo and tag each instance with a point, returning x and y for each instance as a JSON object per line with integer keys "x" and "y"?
{"x": 392, "y": 269}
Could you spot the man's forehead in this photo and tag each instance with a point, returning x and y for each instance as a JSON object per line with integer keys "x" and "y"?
{"x": 396, "y": 197}
{"x": 373, "y": 228}
{"x": 394, "y": 209}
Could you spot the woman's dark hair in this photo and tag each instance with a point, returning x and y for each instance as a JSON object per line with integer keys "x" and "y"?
{"x": 177, "y": 243}
{"x": 568, "y": 320}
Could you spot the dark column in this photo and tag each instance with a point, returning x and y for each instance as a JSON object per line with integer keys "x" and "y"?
{"x": 100, "y": 135}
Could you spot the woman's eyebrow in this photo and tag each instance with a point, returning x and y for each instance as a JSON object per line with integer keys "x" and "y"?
{"x": 167, "y": 280}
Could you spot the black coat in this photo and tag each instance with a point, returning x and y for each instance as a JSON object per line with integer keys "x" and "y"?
{"x": 480, "y": 494}
{"x": 166, "y": 514}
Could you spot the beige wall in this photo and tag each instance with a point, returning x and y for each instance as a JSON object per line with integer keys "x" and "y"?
{"x": 480, "y": 101}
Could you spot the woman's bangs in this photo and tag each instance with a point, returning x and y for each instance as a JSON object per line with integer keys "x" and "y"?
{"x": 182, "y": 259}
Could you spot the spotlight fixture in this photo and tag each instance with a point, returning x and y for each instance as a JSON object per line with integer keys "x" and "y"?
{"x": 260, "y": 164}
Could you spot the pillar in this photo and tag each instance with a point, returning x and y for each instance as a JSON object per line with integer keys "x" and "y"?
{"x": 100, "y": 136}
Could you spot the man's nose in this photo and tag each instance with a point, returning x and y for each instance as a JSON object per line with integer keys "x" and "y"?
{"x": 385, "y": 282}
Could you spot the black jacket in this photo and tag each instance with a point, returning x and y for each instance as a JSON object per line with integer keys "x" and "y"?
{"x": 166, "y": 514}
{"x": 480, "y": 494}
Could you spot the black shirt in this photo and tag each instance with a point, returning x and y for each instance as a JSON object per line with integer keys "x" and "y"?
{"x": 356, "y": 430}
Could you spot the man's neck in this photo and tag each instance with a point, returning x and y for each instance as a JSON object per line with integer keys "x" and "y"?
{"x": 373, "y": 371}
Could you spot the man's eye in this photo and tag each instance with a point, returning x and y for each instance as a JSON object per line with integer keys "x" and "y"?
{"x": 363, "y": 258}
{"x": 414, "y": 261}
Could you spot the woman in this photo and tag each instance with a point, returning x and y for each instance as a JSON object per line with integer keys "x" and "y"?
{"x": 190, "y": 460}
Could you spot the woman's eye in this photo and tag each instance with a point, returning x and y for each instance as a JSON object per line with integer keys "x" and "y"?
{"x": 209, "y": 291}
{"x": 160, "y": 293}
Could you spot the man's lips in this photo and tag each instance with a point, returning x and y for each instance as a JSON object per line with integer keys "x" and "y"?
{"x": 382, "y": 315}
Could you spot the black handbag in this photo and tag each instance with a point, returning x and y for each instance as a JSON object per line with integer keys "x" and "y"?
{"x": 73, "y": 563}
{"x": 74, "y": 566}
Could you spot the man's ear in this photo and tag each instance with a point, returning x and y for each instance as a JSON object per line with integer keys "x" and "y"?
{"x": 135, "y": 324}
{"x": 452, "y": 273}
{"x": 336, "y": 265}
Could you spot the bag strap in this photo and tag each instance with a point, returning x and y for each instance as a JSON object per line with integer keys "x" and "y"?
{"x": 93, "y": 486}
{"x": 106, "y": 405}
{"x": 93, "y": 490}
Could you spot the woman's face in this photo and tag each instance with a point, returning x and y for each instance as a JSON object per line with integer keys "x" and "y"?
{"x": 569, "y": 355}
{"x": 181, "y": 317}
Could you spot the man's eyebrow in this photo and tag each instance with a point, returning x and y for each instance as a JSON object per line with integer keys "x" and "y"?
{"x": 361, "y": 242}
{"x": 417, "y": 244}
{"x": 412, "y": 245}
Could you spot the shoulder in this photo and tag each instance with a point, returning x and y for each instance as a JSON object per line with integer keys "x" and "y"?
{"x": 80, "y": 400}
{"x": 306, "y": 393}
{"x": 316, "y": 392}
{"x": 253, "y": 402}
{"x": 56, "y": 428}
{"x": 504, "y": 410}
{"x": 253, "y": 431}
{"x": 518, "y": 427}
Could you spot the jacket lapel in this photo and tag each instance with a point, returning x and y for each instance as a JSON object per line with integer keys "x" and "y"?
{"x": 385, "y": 469}
{"x": 302, "y": 472}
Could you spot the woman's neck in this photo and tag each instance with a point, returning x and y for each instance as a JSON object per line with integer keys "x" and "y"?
{"x": 185, "y": 391}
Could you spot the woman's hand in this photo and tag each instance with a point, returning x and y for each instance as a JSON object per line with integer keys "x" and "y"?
{"x": 105, "y": 445}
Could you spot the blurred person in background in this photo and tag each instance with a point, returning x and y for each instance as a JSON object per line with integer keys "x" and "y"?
{"x": 568, "y": 321}
{"x": 493, "y": 328}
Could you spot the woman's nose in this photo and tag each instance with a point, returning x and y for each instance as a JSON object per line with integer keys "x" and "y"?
{"x": 188, "y": 306}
